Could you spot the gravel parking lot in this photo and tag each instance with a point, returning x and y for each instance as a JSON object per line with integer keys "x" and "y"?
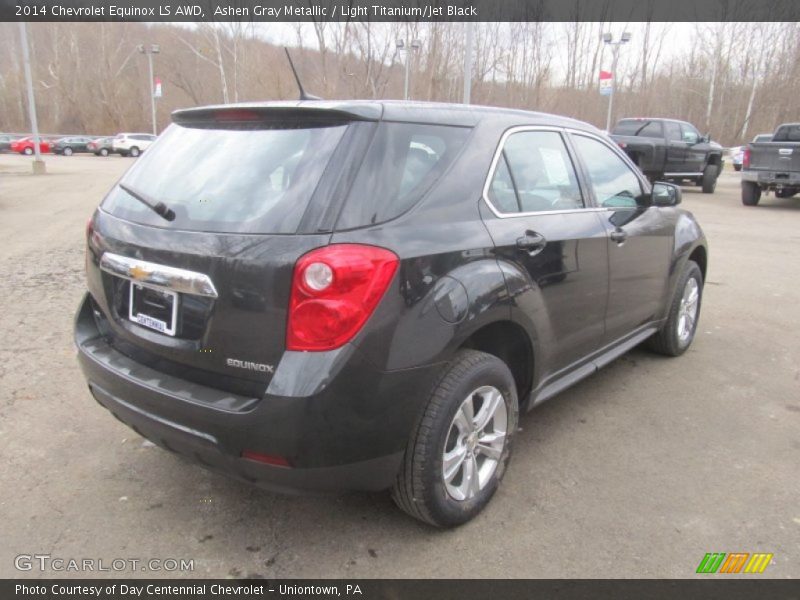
{"x": 636, "y": 472}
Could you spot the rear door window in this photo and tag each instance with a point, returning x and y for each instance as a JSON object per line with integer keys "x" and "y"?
{"x": 250, "y": 179}
{"x": 403, "y": 162}
{"x": 640, "y": 128}
{"x": 535, "y": 174}
{"x": 673, "y": 131}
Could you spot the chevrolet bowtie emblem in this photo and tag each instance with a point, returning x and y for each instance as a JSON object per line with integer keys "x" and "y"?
{"x": 138, "y": 273}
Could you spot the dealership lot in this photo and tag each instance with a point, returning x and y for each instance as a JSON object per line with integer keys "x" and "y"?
{"x": 638, "y": 471}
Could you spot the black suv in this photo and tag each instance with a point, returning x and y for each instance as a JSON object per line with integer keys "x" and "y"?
{"x": 364, "y": 295}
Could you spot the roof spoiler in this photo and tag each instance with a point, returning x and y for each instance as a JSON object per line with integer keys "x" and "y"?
{"x": 323, "y": 113}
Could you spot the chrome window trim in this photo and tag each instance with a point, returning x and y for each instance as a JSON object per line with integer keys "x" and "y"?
{"x": 158, "y": 276}
{"x": 560, "y": 130}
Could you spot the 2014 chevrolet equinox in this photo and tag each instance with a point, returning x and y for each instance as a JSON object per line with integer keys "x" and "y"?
{"x": 364, "y": 295}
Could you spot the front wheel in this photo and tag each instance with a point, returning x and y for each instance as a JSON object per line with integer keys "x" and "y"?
{"x": 28, "y": 151}
{"x": 737, "y": 167}
{"x": 67, "y": 151}
{"x": 460, "y": 448}
{"x": 103, "y": 152}
{"x": 677, "y": 333}
{"x": 709, "y": 181}
{"x": 134, "y": 152}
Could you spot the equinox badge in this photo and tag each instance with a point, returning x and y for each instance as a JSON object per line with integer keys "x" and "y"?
{"x": 250, "y": 366}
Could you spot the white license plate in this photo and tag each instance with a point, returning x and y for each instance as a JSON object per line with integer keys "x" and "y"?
{"x": 153, "y": 308}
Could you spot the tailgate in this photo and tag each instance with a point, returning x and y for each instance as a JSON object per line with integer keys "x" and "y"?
{"x": 781, "y": 157}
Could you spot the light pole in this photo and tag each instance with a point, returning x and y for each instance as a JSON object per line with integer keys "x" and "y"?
{"x": 149, "y": 51}
{"x": 38, "y": 163}
{"x": 401, "y": 46}
{"x": 608, "y": 39}
{"x": 468, "y": 63}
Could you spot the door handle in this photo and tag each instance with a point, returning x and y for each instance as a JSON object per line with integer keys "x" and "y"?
{"x": 619, "y": 235}
{"x": 531, "y": 242}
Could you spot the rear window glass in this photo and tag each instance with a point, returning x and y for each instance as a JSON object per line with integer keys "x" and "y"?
{"x": 641, "y": 128}
{"x": 787, "y": 133}
{"x": 401, "y": 165}
{"x": 241, "y": 180}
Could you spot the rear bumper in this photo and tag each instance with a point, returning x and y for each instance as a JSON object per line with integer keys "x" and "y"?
{"x": 349, "y": 435}
{"x": 772, "y": 178}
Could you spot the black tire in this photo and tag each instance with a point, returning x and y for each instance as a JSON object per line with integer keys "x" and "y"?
{"x": 420, "y": 489}
{"x": 709, "y": 181}
{"x": 103, "y": 152}
{"x": 67, "y": 151}
{"x": 27, "y": 151}
{"x": 751, "y": 193}
{"x": 134, "y": 152}
{"x": 785, "y": 193}
{"x": 737, "y": 167}
{"x": 667, "y": 340}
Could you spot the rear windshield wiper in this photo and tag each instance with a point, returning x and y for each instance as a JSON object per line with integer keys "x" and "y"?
{"x": 161, "y": 209}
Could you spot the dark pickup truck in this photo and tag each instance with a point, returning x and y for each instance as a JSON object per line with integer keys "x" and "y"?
{"x": 666, "y": 149}
{"x": 772, "y": 166}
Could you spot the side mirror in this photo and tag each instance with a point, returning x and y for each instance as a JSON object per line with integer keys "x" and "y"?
{"x": 666, "y": 194}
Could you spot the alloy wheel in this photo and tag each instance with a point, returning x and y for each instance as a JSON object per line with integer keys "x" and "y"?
{"x": 687, "y": 312}
{"x": 475, "y": 443}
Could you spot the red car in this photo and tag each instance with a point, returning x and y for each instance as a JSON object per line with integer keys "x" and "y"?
{"x": 25, "y": 145}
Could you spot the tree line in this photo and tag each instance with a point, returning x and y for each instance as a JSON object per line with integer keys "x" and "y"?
{"x": 730, "y": 79}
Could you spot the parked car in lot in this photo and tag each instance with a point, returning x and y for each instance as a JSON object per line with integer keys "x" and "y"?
{"x": 26, "y": 145}
{"x": 667, "y": 149}
{"x": 364, "y": 295}
{"x": 101, "y": 146}
{"x": 132, "y": 144}
{"x": 70, "y": 145}
{"x": 737, "y": 153}
{"x": 5, "y": 141}
{"x": 772, "y": 165}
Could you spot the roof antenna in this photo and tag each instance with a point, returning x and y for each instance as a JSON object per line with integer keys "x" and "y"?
{"x": 303, "y": 95}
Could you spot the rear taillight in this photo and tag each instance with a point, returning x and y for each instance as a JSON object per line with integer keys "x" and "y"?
{"x": 335, "y": 289}
{"x": 746, "y": 158}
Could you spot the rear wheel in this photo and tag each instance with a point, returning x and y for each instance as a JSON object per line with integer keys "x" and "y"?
{"x": 737, "y": 167}
{"x": 709, "y": 181}
{"x": 134, "y": 152}
{"x": 459, "y": 451}
{"x": 676, "y": 335}
{"x": 28, "y": 151}
{"x": 751, "y": 193}
{"x": 67, "y": 151}
{"x": 103, "y": 151}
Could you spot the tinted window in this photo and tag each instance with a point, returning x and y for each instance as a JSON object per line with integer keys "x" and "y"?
{"x": 639, "y": 127}
{"x": 787, "y": 133}
{"x": 403, "y": 161}
{"x": 235, "y": 180}
{"x": 613, "y": 181}
{"x": 538, "y": 166}
{"x": 673, "y": 131}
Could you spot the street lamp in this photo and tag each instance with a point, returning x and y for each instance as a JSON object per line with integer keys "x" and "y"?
{"x": 401, "y": 46}
{"x": 608, "y": 39}
{"x": 149, "y": 51}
